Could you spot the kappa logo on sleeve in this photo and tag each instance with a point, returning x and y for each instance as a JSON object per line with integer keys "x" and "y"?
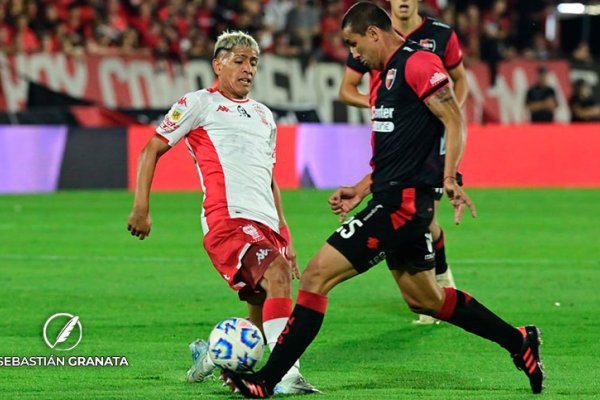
{"x": 178, "y": 109}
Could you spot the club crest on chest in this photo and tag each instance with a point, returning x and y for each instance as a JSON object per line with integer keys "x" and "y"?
{"x": 390, "y": 78}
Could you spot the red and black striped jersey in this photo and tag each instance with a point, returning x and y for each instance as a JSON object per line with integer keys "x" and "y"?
{"x": 406, "y": 135}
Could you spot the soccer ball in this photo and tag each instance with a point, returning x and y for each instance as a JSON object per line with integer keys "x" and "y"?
{"x": 235, "y": 344}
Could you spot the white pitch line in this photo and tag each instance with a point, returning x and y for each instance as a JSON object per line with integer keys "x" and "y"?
{"x": 162, "y": 259}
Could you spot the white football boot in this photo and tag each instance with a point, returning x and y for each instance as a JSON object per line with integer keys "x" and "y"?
{"x": 294, "y": 384}
{"x": 203, "y": 368}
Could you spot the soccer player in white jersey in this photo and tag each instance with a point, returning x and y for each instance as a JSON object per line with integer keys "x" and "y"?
{"x": 231, "y": 139}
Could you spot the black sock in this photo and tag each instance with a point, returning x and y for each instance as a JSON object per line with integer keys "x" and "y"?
{"x": 441, "y": 266}
{"x": 462, "y": 310}
{"x": 302, "y": 328}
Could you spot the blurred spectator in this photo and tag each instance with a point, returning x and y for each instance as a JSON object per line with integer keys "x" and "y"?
{"x": 276, "y": 14}
{"x": 283, "y": 46}
{"x": 433, "y": 8}
{"x": 540, "y": 48}
{"x": 582, "y": 55}
{"x": 468, "y": 29}
{"x": 583, "y": 106}
{"x": 24, "y": 38}
{"x": 303, "y": 23}
{"x": 332, "y": 44}
{"x": 5, "y": 32}
{"x": 205, "y": 17}
{"x": 496, "y": 27}
{"x": 541, "y": 98}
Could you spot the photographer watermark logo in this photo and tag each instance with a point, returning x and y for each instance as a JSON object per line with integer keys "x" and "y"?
{"x": 70, "y": 331}
{"x": 63, "y": 332}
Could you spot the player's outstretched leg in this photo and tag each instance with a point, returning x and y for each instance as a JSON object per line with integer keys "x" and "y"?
{"x": 461, "y": 309}
{"x": 302, "y": 327}
{"x": 325, "y": 270}
{"x": 275, "y": 318}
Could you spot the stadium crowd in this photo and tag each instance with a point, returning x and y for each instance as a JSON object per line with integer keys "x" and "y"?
{"x": 490, "y": 30}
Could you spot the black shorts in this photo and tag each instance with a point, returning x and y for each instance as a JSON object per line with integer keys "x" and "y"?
{"x": 394, "y": 227}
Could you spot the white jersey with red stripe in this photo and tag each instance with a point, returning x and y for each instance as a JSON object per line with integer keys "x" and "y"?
{"x": 232, "y": 143}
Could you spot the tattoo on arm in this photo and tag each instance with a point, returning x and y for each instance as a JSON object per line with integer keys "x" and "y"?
{"x": 444, "y": 95}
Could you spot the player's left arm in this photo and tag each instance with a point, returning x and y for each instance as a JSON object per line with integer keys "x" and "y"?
{"x": 444, "y": 106}
{"x": 426, "y": 75}
{"x": 284, "y": 230}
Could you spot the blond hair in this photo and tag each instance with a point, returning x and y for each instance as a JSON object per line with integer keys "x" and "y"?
{"x": 230, "y": 39}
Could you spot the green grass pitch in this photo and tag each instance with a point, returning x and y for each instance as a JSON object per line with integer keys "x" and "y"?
{"x": 533, "y": 256}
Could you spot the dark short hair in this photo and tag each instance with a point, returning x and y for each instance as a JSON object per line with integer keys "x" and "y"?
{"x": 364, "y": 14}
{"x": 542, "y": 69}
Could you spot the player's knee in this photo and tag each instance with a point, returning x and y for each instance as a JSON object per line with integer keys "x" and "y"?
{"x": 423, "y": 305}
{"x": 279, "y": 274}
{"x": 316, "y": 277}
{"x": 435, "y": 229}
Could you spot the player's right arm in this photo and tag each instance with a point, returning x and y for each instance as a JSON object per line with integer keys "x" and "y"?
{"x": 346, "y": 198}
{"x": 139, "y": 222}
{"x": 183, "y": 116}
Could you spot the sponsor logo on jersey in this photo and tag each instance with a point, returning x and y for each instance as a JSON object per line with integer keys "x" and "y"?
{"x": 390, "y": 78}
{"x": 437, "y": 78}
{"x": 222, "y": 108}
{"x": 383, "y": 126}
{"x": 372, "y": 212}
{"x": 382, "y": 112}
{"x": 429, "y": 44}
{"x": 168, "y": 125}
{"x": 252, "y": 231}
{"x": 378, "y": 258}
{"x": 243, "y": 112}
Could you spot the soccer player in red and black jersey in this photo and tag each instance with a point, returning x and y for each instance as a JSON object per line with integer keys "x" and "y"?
{"x": 442, "y": 40}
{"x": 412, "y": 107}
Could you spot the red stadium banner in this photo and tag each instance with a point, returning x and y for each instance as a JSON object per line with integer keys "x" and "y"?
{"x": 532, "y": 156}
{"x": 145, "y": 83}
{"x": 176, "y": 170}
{"x": 505, "y": 101}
